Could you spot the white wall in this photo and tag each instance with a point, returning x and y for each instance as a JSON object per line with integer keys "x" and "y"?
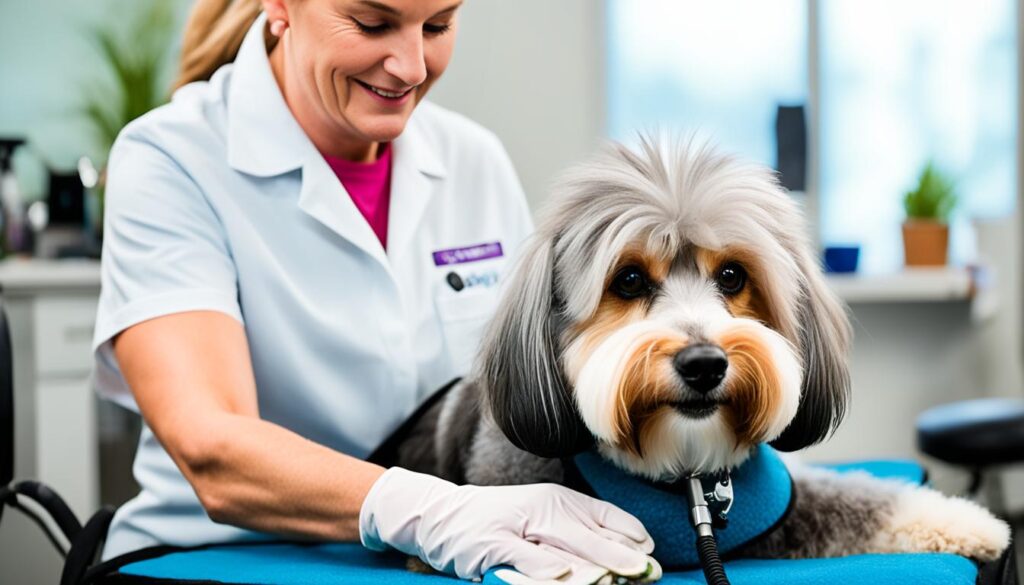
{"x": 531, "y": 71}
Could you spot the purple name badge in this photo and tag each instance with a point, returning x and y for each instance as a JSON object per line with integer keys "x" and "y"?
{"x": 468, "y": 254}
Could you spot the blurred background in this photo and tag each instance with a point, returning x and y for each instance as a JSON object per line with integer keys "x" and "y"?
{"x": 889, "y": 121}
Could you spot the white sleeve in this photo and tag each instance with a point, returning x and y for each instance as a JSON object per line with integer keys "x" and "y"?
{"x": 164, "y": 251}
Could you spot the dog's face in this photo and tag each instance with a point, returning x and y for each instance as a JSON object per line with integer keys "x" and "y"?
{"x": 668, "y": 308}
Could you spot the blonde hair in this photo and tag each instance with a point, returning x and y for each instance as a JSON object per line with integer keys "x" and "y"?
{"x": 213, "y": 35}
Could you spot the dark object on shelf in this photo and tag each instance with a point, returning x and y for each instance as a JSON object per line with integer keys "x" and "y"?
{"x": 791, "y": 147}
{"x": 66, "y": 199}
{"x": 7, "y": 148}
{"x": 840, "y": 259}
{"x": 15, "y": 237}
{"x": 67, "y": 233}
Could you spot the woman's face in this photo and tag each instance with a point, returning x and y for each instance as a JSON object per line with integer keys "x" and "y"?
{"x": 355, "y": 69}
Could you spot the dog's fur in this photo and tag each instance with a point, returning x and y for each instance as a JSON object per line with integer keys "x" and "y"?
{"x": 636, "y": 261}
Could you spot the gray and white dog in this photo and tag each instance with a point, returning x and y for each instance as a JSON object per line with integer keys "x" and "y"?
{"x": 670, "y": 313}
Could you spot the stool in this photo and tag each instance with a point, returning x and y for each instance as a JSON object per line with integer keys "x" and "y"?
{"x": 978, "y": 435}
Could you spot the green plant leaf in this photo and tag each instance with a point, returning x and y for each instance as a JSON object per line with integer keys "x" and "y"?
{"x": 934, "y": 197}
{"x": 134, "y": 62}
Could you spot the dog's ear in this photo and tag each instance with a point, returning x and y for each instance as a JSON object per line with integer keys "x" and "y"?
{"x": 824, "y": 341}
{"x": 524, "y": 386}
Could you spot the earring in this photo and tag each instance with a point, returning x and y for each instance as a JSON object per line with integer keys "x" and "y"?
{"x": 277, "y": 27}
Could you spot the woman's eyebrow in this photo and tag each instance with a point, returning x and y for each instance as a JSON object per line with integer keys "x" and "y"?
{"x": 392, "y": 11}
{"x": 380, "y": 6}
{"x": 449, "y": 9}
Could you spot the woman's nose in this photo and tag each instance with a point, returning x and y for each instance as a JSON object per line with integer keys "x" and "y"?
{"x": 406, "y": 61}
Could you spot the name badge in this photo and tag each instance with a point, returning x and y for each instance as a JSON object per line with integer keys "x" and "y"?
{"x": 468, "y": 254}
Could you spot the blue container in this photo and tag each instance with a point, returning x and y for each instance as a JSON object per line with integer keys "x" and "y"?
{"x": 841, "y": 258}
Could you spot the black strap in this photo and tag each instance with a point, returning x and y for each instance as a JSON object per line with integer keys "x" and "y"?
{"x": 6, "y": 403}
{"x": 109, "y": 571}
{"x": 387, "y": 453}
{"x": 86, "y": 546}
{"x": 54, "y": 505}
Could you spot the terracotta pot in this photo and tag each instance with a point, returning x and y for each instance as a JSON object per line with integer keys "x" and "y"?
{"x": 925, "y": 242}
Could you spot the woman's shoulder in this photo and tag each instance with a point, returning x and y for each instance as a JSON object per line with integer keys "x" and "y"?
{"x": 191, "y": 125}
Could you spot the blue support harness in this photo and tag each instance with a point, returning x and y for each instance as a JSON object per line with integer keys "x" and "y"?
{"x": 762, "y": 495}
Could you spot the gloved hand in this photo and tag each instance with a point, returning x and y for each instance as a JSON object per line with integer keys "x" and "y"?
{"x": 582, "y": 573}
{"x": 538, "y": 529}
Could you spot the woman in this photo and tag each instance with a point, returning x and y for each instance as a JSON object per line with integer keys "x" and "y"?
{"x": 298, "y": 251}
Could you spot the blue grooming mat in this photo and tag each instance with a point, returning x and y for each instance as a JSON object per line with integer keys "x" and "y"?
{"x": 282, "y": 564}
{"x": 898, "y": 469}
{"x": 350, "y": 563}
{"x": 909, "y": 569}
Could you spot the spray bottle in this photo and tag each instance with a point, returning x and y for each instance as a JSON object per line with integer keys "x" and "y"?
{"x": 12, "y": 222}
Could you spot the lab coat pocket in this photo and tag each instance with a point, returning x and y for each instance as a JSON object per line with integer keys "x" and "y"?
{"x": 463, "y": 320}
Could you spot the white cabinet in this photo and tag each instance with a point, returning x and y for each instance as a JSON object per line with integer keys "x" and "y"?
{"x": 63, "y": 333}
{"x": 51, "y": 310}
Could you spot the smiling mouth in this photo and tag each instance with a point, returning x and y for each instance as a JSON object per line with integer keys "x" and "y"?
{"x": 391, "y": 95}
{"x": 697, "y": 409}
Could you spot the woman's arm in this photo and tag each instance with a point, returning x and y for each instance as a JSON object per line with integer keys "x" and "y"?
{"x": 192, "y": 378}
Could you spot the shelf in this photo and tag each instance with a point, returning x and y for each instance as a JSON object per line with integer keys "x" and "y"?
{"x": 948, "y": 283}
{"x": 18, "y": 276}
{"x": 24, "y": 276}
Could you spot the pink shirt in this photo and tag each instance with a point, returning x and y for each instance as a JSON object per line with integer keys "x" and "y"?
{"x": 369, "y": 186}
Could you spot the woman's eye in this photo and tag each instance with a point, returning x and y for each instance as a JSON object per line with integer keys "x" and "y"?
{"x": 731, "y": 278}
{"x": 436, "y": 29}
{"x": 372, "y": 29}
{"x": 631, "y": 283}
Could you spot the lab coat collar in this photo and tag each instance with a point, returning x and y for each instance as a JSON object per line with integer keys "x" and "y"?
{"x": 415, "y": 168}
{"x": 264, "y": 139}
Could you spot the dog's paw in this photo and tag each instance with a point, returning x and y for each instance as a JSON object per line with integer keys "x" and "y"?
{"x": 415, "y": 565}
{"x": 924, "y": 520}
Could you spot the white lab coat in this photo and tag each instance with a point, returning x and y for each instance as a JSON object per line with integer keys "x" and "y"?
{"x": 219, "y": 201}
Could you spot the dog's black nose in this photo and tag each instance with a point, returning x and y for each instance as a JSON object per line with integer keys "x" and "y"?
{"x": 701, "y": 366}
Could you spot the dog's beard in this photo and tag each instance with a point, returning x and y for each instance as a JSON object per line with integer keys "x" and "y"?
{"x": 633, "y": 401}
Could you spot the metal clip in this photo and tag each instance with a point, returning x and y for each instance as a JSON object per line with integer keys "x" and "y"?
{"x": 718, "y": 495}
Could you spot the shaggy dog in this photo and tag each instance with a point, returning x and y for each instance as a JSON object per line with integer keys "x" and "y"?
{"x": 669, "y": 313}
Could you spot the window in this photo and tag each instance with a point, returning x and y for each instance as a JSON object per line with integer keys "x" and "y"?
{"x": 716, "y": 69}
{"x": 898, "y": 84}
{"x": 902, "y": 83}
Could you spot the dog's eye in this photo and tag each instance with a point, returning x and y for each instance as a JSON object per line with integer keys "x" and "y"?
{"x": 731, "y": 278}
{"x": 631, "y": 283}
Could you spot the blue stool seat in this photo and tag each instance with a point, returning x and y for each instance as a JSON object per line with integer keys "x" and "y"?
{"x": 974, "y": 433}
{"x": 350, "y": 563}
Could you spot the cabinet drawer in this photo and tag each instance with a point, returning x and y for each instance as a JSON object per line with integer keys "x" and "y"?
{"x": 63, "y": 331}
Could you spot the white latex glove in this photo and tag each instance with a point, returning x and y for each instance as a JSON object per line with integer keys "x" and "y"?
{"x": 582, "y": 573}
{"x": 468, "y": 529}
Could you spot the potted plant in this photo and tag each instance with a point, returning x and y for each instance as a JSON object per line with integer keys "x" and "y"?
{"x": 137, "y": 77}
{"x": 926, "y": 228}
